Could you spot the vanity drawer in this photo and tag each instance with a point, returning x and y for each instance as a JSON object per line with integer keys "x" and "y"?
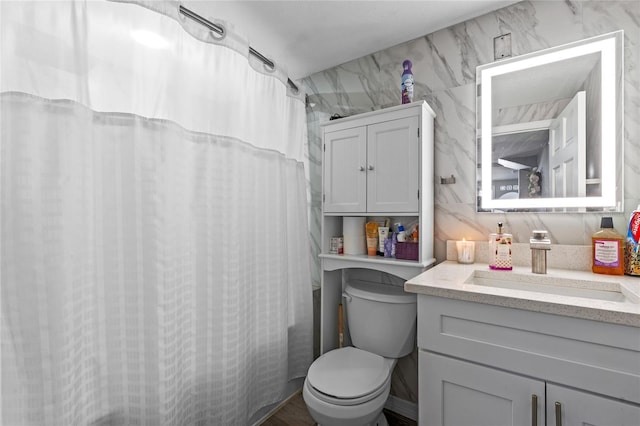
{"x": 600, "y": 357}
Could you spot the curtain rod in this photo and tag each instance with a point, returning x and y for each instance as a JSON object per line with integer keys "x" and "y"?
{"x": 218, "y": 29}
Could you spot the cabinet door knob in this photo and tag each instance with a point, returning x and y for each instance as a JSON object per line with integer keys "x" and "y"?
{"x": 370, "y": 167}
{"x": 362, "y": 168}
{"x": 558, "y": 414}
{"x": 534, "y": 410}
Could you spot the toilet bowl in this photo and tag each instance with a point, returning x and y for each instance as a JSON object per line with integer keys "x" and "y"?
{"x": 350, "y": 386}
{"x": 347, "y": 387}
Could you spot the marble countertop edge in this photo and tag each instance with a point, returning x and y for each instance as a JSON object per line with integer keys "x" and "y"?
{"x": 448, "y": 280}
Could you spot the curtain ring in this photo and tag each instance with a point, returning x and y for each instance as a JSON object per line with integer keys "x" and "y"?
{"x": 269, "y": 66}
{"x": 218, "y": 36}
{"x": 213, "y": 28}
{"x": 267, "y": 63}
{"x": 293, "y": 86}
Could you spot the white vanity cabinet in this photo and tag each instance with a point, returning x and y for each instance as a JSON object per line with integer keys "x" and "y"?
{"x": 574, "y": 407}
{"x": 459, "y": 393}
{"x": 463, "y": 393}
{"x": 490, "y": 365}
{"x": 375, "y": 164}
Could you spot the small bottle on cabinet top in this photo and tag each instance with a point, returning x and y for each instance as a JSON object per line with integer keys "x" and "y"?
{"x": 407, "y": 82}
{"x": 606, "y": 249}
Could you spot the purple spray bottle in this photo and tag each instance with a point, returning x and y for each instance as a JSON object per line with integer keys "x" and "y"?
{"x": 407, "y": 82}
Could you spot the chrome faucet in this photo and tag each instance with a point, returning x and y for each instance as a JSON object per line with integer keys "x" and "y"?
{"x": 539, "y": 245}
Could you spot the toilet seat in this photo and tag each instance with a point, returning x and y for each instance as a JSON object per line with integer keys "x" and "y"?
{"x": 348, "y": 376}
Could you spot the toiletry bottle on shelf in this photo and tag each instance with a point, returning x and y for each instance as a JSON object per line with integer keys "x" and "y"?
{"x": 394, "y": 242}
{"x": 606, "y": 249}
{"x": 402, "y": 234}
{"x": 388, "y": 247}
{"x": 500, "y": 250}
{"x": 632, "y": 245}
{"x": 372, "y": 238}
{"x": 383, "y": 234}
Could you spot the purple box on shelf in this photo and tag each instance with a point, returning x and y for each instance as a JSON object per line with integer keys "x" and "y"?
{"x": 408, "y": 251}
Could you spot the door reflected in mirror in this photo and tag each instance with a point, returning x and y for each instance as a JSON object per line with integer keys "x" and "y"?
{"x": 553, "y": 124}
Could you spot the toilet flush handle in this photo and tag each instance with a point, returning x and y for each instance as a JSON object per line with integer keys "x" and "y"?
{"x": 346, "y": 296}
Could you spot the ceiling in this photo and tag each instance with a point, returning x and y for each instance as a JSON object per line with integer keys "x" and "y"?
{"x": 308, "y": 36}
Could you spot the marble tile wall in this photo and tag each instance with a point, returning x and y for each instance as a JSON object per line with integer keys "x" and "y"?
{"x": 444, "y": 65}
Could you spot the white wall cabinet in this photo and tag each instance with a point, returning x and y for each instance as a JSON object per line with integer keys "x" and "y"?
{"x": 489, "y": 365}
{"x": 376, "y": 164}
{"x": 345, "y": 174}
{"x": 373, "y": 168}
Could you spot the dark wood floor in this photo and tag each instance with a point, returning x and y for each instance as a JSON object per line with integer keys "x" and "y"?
{"x": 292, "y": 413}
{"x": 295, "y": 413}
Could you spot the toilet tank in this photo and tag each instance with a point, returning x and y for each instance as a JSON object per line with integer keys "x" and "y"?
{"x": 381, "y": 318}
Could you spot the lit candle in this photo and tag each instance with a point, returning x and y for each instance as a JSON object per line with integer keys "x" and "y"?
{"x": 466, "y": 251}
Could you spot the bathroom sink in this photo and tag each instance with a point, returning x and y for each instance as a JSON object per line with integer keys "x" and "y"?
{"x": 598, "y": 290}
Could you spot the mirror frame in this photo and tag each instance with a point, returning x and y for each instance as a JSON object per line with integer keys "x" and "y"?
{"x": 610, "y": 47}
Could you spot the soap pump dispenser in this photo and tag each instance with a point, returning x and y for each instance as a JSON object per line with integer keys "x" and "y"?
{"x": 539, "y": 244}
{"x": 500, "y": 250}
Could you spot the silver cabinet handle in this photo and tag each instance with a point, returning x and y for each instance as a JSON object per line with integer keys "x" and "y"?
{"x": 558, "y": 414}
{"x": 534, "y": 410}
{"x": 362, "y": 168}
{"x": 370, "y": 167}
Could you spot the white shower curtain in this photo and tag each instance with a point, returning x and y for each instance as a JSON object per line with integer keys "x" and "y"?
{"x": 154, "y": 239}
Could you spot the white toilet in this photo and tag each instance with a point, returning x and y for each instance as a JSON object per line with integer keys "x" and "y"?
{"x": 350, "y": 386}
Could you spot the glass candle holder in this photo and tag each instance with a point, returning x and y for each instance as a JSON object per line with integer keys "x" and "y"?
{"x": 466, "y": 251}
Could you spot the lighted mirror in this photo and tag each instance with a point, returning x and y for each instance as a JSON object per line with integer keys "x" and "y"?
{"x": 550, "y": 129}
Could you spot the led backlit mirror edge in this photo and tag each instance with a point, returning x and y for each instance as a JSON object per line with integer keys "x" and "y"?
{"x": 610, "y": 46}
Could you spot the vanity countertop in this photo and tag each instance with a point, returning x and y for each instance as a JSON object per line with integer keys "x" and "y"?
{"x": 448, "y": 280}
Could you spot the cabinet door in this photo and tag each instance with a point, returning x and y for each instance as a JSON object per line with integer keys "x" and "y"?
{"x": 458, "y": 393}
{"x": 581, "y": 408}
{"x": 345, "y": 176}
{"x": 392, "y": 166}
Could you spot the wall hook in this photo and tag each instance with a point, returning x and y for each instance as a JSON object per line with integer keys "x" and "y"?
{"x": 447, "y": 181}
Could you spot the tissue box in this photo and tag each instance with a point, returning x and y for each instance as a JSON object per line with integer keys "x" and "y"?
{"x": 408, "y": 251}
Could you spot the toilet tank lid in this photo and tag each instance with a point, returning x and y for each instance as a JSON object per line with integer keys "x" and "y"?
{"x": 379, "y": 292}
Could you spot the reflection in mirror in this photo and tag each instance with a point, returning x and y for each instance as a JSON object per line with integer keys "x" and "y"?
{"x": 553, "y": 126}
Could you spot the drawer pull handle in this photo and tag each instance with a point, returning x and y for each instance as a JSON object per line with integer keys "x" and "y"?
{"x": 558, "y": 414}
{"x": 534, "y": 410}
{"x": 370, "y": 167}
{"x": 362, "y": 168}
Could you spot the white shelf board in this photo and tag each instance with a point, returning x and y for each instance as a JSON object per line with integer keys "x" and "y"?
{"x": 406, "y": 269}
